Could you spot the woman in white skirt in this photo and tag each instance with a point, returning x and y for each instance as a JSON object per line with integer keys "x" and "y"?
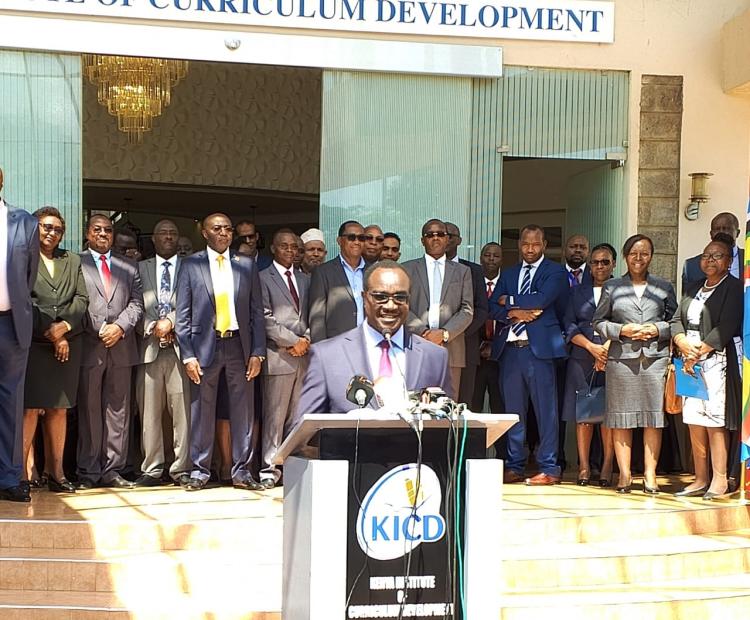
{"x": 706, "y": 330}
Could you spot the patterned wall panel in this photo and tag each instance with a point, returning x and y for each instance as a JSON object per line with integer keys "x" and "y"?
{"x": 228, "y": 125}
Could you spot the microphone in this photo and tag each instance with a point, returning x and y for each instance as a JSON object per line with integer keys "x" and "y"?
{"x": 360, "y": 391}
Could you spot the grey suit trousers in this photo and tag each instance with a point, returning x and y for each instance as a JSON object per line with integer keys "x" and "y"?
{"x": 164, "y": 402}
{"x": 280, "y": 399}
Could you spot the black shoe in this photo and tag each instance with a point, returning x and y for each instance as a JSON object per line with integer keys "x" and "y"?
{"x": 148, "y": 481}
{"x": 182, "y": 480}
{"x": 25, "y": 484}
{"x": 267, "y": 483}
{"x": 248, "y": 484}
{"x": 194, "y": 484}
{"x": 18, "y": 493}
{"x": 84, "y": 484}
{"x": 582, "y": 482}
{"x": 118, "y": 482}
{"x": 60, "y": 486}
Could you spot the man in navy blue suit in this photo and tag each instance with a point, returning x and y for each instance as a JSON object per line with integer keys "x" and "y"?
{"x": 529, "y": 301}
{"x": 19, "y": 260}
{"x": 220, "y": 326}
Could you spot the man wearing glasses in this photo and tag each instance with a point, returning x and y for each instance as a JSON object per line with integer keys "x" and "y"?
{"x": 373, "y": 243}
{"x": 19, "y": 261}
{"x": 380, "y": 349}
{"x": 442, "y": 298}
{"x": 245, "y": 232}
{"x": 336, "y": 303}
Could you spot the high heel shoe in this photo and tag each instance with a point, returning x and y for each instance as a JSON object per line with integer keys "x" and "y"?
{"x": 625, "y": 489}
{"x": 710, "y": 495}
{"x": 605, "y": 483}
{"x": 691, "y": 492}
{"x": 582, "y": 482}
{"x": 650, "y": 490}
{"x": 60, "y": 486}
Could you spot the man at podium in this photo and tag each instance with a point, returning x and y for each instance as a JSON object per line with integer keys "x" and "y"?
{"x": 380, "y": 349}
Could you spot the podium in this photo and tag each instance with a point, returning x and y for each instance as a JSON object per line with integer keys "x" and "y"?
{"x": 368, "y": 534}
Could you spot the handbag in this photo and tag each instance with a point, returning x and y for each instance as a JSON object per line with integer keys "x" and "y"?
{"x": 590, "y": 403}
{"x": 672, "y": 402}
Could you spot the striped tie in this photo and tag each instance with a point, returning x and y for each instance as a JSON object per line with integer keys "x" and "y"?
{"x": 519, "y": 329}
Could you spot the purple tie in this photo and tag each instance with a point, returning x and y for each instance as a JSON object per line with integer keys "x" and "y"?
{"x": 385, "y": 370}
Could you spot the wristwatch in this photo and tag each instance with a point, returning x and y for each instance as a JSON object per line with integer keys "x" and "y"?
{"x": 446, "y": 335}
{"x": 262, "y": 358}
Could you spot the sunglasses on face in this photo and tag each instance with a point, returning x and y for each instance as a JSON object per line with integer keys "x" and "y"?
{"x": 102, "y": 229}
{"x": 49, "y": 228}
{"x": 435, "y": 233}
{"x": 384, "y": 298}
{"x": 605, "y": 262}
{"x": 355, "y": 237}
{"x": 374, "y": 238}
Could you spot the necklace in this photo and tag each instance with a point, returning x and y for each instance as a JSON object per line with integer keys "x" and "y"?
{"x": 713, "y": 286}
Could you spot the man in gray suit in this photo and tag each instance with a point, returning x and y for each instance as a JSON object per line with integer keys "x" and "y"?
{"x": 336, "y": 302}
{"x": 442, "y": 304}
{"x": 381, "y": 349}
{"x": 110, "y": 352}
{"x": 162, "y": 384}
{"x": 19, "y": 261}
{"x": 285, "y": 305}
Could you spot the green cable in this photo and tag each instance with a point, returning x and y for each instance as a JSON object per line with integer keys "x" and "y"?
{"x": 458, "y": 525}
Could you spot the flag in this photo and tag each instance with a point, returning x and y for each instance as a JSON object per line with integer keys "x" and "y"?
{"x": 745, "y": 427}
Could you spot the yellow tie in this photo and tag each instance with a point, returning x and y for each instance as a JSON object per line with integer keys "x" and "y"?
{"x": 223, "y": 319}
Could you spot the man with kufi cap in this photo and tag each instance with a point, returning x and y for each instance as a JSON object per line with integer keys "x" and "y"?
{"x": 315, "y": 249}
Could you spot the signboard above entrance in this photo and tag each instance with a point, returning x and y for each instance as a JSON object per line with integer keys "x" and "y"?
{"x": 548, "y": 20}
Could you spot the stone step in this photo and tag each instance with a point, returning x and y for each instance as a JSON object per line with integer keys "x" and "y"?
{"x": 160, "y": 573}
{"x": 25, "y": 605}
{"x": 703, "y": 597}
{"x": 567, "y": 565}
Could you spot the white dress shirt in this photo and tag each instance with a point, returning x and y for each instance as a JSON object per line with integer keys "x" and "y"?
{"x": 389, "y": 391}
{"x": 223, "y": 282}
{"x": 98, "y": 261}
{"x": 4, "y": 292}
{"x": 433, "y": 314}
{"x": 160, "y": 270}
{"x": 570, "y": 270}
{"x": 282, "y": 272}
{"x": 534, "y": 266}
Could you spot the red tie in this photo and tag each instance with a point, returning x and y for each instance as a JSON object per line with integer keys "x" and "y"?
{"x": 106, "y": 275}
{"x": 489, "y": 324}
{"x": 292, "y": 290}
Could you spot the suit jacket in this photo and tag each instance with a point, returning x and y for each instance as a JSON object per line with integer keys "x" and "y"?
{"x": 263, "y": 261}
{"x": 196, "y": 308}
{"x": 23, "y": 266}
{"x": 332, "y": 307}
{"x": 62, "y": 297}
{"x": 721, "y": 319}
{"x": 456, "y": 304}
{"x": 578, "y": 319}
{"x": 334, "y": 362}
{"x": 284, "y": 324}
{"x": 123, "y": 307}
{"x": 691, "y": 270}
{"x": 151, "y": 282}
{"x": 620, "y": 305}
{"x": 586, "y": 278}
{"x": 474, "y": 334}
{"x": 549, "y": 292}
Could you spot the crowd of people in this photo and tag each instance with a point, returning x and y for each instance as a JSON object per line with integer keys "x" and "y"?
{"x": 216, "y": 353}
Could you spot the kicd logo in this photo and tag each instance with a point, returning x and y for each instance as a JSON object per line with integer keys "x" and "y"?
{"x": 396, "y": 516}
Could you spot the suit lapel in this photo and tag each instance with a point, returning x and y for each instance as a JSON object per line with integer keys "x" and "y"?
{"x": 173, "y": 296}
{"x": 340, "y": 275}
{"x": 413, "y": 354}
{"x": 150, "y": 281}
{"x": 89, "y": 267}
{"x": 422, "y": 277}
{"x": 358, "y": 359}
{"x": 283, "y": 287}
{"x": 117, "y": 271}
{"x": 206, "y": 273}
{"x": 237, "y": 266}
{"x": 450, "y": 274}
{"x": 45, "y": 275}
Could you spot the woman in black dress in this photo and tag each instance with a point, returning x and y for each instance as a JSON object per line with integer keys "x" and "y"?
{"x": 59, "y": 301}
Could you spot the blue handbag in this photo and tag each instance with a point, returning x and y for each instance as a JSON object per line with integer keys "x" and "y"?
{"x": 591, "y": 403}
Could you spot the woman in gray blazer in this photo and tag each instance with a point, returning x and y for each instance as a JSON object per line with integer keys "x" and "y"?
{"x": 59, "y": 301}
{"x": 633, "y": 313}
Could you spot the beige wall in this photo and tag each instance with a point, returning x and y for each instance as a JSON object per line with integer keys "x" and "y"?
{"x": 228, "y": 125}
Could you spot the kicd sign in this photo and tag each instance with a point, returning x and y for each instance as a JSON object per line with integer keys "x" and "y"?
{"x": 550, "y": 20}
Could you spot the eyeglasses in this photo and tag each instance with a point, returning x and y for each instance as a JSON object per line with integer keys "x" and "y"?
{"x": 355, "y": 237}
{"x": 716, "y": 256}
{"x": 102, "y": 229}
{"x": 49, "y": 228}
{"x": 605, "y": 262}
{"x": 374, "y": 238}
{"x": 383, "y": 298}
{"x": 435, "y": 233}
{"x": 219, "y": 228}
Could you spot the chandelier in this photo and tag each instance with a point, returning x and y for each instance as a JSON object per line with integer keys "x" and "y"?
{"x": 133, "y": 89}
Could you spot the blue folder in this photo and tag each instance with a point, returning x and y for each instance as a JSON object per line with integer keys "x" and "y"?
{"x": 692, "y": 386}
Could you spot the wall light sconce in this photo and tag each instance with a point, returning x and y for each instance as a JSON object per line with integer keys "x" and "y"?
{"x": 698, "y": 193}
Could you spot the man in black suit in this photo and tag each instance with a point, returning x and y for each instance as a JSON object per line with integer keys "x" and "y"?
{"x": 473, "y": 333}
{"x": 336, "y": 304}
{"x": 219, "y": 328}
{"x": 723, "y": 223}
{"x": 19, "y": 262}
{"x": 576, "y": 259}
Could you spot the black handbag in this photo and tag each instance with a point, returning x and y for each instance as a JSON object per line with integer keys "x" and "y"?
{"x": 591, "y": 403}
